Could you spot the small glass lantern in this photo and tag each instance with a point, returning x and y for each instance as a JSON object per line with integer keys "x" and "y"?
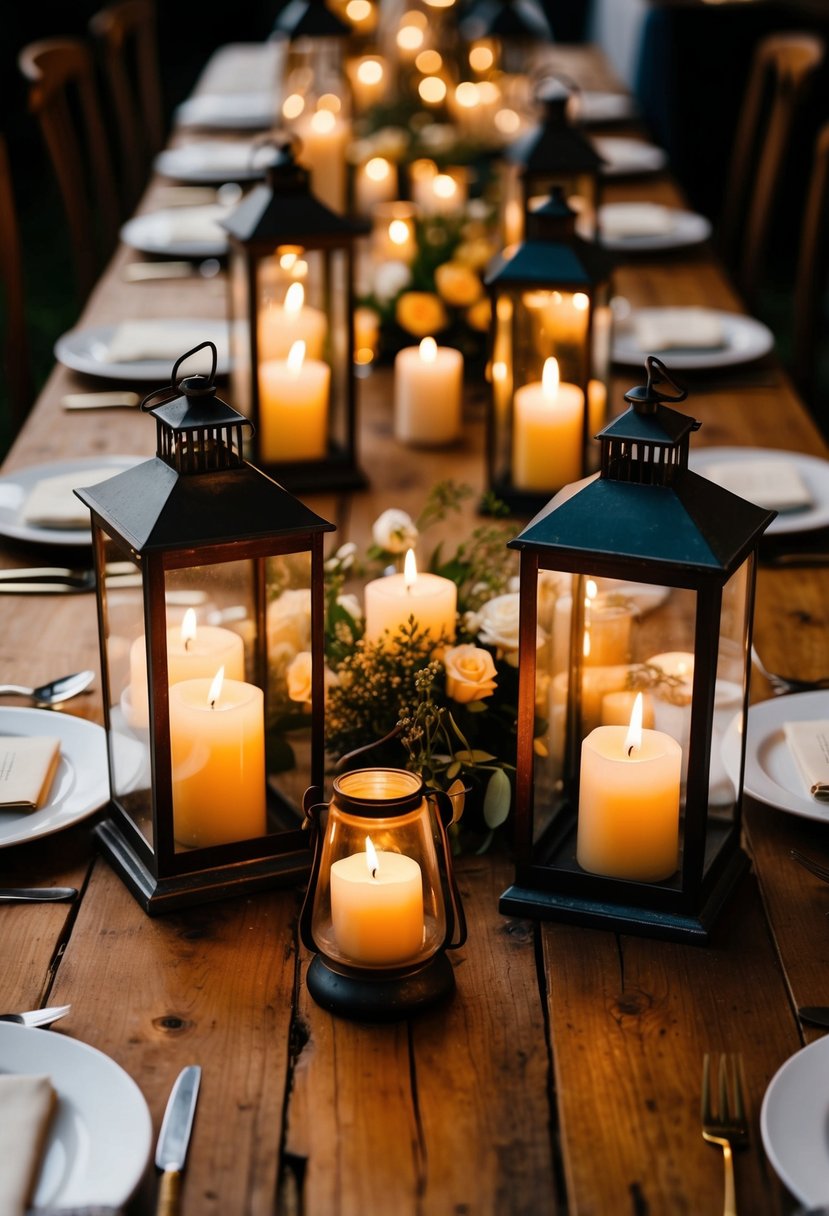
{"x": 550, "y": 354}
{"x": 292, "y": 310}
{"x": 516, "y": 27}
{"x": 381, "y": 908}
{"x": 636, "y": 596}
{"x": 212, "y": 659}
{"x": 554, "y": 153}
{"x": 316, "y": 45}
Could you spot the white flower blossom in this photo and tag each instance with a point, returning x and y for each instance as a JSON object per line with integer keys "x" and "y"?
{"x": 389, "y": 280}
{"x": 394, "y": 531}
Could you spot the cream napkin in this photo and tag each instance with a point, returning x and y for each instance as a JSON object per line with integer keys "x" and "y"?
{"x": 230, "y": 157}
{"x": 770, "y": 483}
{"x": 226, "y": 108}
{"x": 136, "y": 340}
{"x": 181, "y": 224}
{"x": 27, "y": 770}
{"x": 669, "y": 328}
{"x": 26, "y": 1108}
{"x": 635, "y": 219}
{"x": 809, "y": 744}
{"x": 51, "y": 503}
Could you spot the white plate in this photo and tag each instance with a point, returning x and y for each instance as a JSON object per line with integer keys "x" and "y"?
{"x": 228, "y": 111}
{"x": 150, "y": 233}
{"x": 794, "y": 1123}
{"x": 85, "y": 350}
{"x": 771, "y": 775}
{"x": 744, "y": 339}
{"x": 99, "y": 1141}
{"x": 687, "y": 228}
{"x": 591, "y": 105}
{"x": 623, "y": 156}
{"x": 213, "y": 161}
{"x": 15, "y": 488}
{"x": 813, "y": 470}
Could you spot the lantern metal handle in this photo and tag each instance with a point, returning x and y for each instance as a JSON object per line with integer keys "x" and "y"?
{"x": 312, "y": 809}
{"x": 187, "y": 385}
{"x": 455, "y": 916}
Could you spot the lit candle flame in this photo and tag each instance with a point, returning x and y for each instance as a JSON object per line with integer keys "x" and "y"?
{"x": 296, "y": 356}
{"x": 466, "y": 94}
{"x": 358, "y": 10}
{"x": 444, "y": 186}
{"x": 591, "y": 590}
{"x": 633, "y": 739}
{"x": 432, "y": 89}
{"x": 581, "y": 302}
{"x": 294, "y": 298}
{"x": 398, "y": 232}
{"x": 323, "y": 122}
{"x": 428, "y": 350}
{"x": 586, "y": 646}
{"x": 188, "y": 628}
{"x": 550, "y": 379}
{"x": 378, "y": 168}
{"x": 370, "y": 71}
{"x": 371, "y": 857}
{"x": 216, "y": 688}
{"x": 410, "y": 570}
{"x": 499, "y": 372}
{"x": 293, "y": 105}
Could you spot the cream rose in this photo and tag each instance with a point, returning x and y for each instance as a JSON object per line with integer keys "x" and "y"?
{"x": 299, "y": 678}
{"x": 289, "y": 624}
{"x": 470, "y": 673}
{"x": 498, "y": 626}
{"x": 394, "y": 531}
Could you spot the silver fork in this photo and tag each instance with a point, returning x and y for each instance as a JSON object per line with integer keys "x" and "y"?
{"x": 809, "y": 863}
{"x": 781, "y": 685}
{"x": 724, "y": 1121}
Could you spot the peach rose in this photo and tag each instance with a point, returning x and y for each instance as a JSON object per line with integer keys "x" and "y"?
{"x": 479, "y": 315}
{"x": 470, "y": 673}
{"x": 299, "y": 678}
{"x": 421, "y": 313}
{"x": 458, "y": 285}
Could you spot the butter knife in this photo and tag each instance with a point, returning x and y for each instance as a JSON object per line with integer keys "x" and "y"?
{"x": 100, "y": 401}
{"x": 818, "y": 1015}
{"x": 174, "y": 1138}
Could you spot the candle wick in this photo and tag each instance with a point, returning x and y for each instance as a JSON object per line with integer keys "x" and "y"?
{"x": 187, "y": 644}
{"x": 374, "y": 872}
{"x": 631, "y": 749}
{"x": 213, "y": 703}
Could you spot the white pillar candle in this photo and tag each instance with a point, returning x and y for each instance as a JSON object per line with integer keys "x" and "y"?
{"x": 374, "y": 182}
{"x": 324, "y": 138}
{"x": 217, "y": 755}
{"x": 280, "y": 325}
{"x": 368, "y": 78}
{"x": 377, "y": 907}
{"x": 629, "y": 802}
{"x": 547, "y": 432}
{"x": 429, "y": 598}
{"x": 428, "y": 390}
{"x": 393, "y": 236}
{"x": 293, "y": 407}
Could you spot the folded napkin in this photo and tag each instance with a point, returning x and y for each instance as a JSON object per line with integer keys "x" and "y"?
{"x": 774, "y": 484}
{"x": 227, "y": 108}
{"x": 224, "y": 155}
{"x": 669, "y": 328}
{"x": 635, "y": 219}
{"x": 51, "y": 503}
{"x": 181, "y": 224}
{"x": 136, "y": 340}
{"x": 26, "y": 1108}
{"x": 809, "y": 744}
{"x": 27, "y": 770}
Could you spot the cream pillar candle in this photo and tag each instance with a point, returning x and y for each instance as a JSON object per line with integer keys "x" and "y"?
{"x": 374, "y": 182}
{"x": 393, "y": 235}
{"x": 367, "y": 77}
{"x": 280, "y": 325}
{"x": 547, "y": 432}
{"x": 217, "y": 755}
{"x": 428, "y": 389}
{"x": 429, "y": 598}
{"x": 618, "y": 706}
{"x": 324, "y": 138}
{"x": 377, "y": 906}
{"x": 293, "y": 407}
{"x": 629, "y": 802}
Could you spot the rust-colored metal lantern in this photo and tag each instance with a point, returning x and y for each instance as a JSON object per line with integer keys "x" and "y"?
{"x": 550, "y": 353}
{"x": 636, "y": 592}
{"x": 292, "y": 318}
{"x": 212, "y": 660}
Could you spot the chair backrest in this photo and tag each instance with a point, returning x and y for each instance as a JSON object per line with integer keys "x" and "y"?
{"x": 16, "y": 354}
{"x": 782, "y": 66}
{"x": 812, "y": 272}
{"x": 125, "y": 34}
{"x": 64, "y": 98}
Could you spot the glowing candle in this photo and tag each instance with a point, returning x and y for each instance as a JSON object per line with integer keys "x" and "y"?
{"x": 629, "y": 802}
{"x": 428, "y": 385}
{"x": 377, "y": 906}
{"x": 429, "y": 598}
{"x": 292, "y": 321}
{"x": 393, "y": 232}
{"x": 293, "y": 407}
{"x": 217, "y": 755}
{"x": 374, "y": 182}
{"x": 324, "y": 139}
{"x": 547, "y": 432}
{"x": 367, "y": 77}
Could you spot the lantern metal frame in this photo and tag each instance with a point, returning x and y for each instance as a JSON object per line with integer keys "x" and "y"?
{"x": 282, "y": 212}
{"x": 646, "y": 518}
{"x": 198, "y": 503}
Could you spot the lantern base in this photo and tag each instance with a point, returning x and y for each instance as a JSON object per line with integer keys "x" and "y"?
{"x": 365, "y": 996}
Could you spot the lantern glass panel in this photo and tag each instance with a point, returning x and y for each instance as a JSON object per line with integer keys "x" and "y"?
{"x": 731, "y": 683}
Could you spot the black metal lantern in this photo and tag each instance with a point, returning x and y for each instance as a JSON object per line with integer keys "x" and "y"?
{"x": 552, "y": 154}
{"x": 212, "y": 659}
{"x": 550, "y": 353}
{"x": 382, "y": 908}
{"x": 637, "y": 592}
{"x": 517, "y": 26}
{"x": 292, "y": 310}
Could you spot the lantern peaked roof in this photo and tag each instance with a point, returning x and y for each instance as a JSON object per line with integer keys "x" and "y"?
{"x": 554, "y": 144}
{"x": 310, "y": 19}
{"x": 506, "y": 19}
{"x": 283, "y": 209}
{"x": 575, "y": 263}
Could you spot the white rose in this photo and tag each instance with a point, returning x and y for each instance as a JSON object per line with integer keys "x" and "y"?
{"x": 470, "y": 673}
{"x": 394, "y": 531}
{"x": 289, "y": 624}
{"x": 299, "y": 678}
{"x": 390, "y": 142}
{"x": 389, "y": 280}
{"x": 499, "y": 619}
{"x": 438, "y": 136}
{"x": 351, "y": 605}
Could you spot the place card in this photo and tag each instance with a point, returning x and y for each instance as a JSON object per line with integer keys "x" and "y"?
{"x": 27, "y": 770}
{"x": 679, "y": 328}
{"x": 27, "y": 1103}
{"x": 809, "y": 744}
{"x": 52, "y": 503}
{"x": 774, "y": 484}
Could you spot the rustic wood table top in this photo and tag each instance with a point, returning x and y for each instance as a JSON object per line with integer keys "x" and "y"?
{"x": 565, "y": 1074}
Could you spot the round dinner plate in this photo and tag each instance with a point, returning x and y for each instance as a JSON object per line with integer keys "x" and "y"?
{"x": 150, "y": 233}
{"x": 813, "y": 470}
{"x": 596, "y": 106}
{"x": 687, "y": 228}
{"x": 213, "y": 161}
{"x": 228, "y": 111}
{"x": 99, "y": 1141}
{"x": 16, "y": 486}
{"x": 793, "y": 1123}
{"x": 744, "y": 339}
{"x": 771, "y": 774}
{"x": 86, "y": 350}
{"x": 623, "y": 156}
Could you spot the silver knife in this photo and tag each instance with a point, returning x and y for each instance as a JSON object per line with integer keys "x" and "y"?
{"x": 174, "y": 1138}
{"x": 818, "y": 1015}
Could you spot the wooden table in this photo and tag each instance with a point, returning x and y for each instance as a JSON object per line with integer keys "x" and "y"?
{"x": 565, "y": 1074}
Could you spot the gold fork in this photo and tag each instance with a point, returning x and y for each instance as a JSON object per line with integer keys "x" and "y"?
{"x": 724, "y": 1120}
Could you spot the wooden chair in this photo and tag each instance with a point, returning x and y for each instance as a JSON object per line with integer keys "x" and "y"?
{"x": 782, "y": 66}
{"x": 64, "y": 98}
{"x": 125, "y": 34}
{"x": 809, "y": 322}
{"x": 16, "y": 355}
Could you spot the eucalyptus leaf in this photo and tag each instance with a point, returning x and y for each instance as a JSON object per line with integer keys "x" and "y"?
{"x": 473, "y": 756}
{"x": 476, "y": 707}
{"x": 453, "y": 769}
{"x": 457, "y": 792}
{"x": 497, "y": 799}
